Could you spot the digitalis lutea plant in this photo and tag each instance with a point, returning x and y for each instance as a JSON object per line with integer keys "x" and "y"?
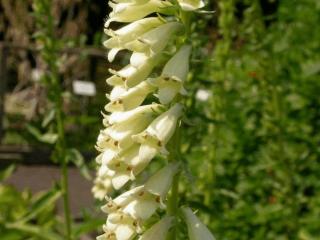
{"x": 134, "y": 132}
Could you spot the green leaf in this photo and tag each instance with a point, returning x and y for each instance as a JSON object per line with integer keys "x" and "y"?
{"x": 34, "y": 231}
{"x": 49, "y": 138}
{"x": 74, "y": 156}
{"x": 7, "y": 172}
{"x": 45, "y": 200}
{"x": 48, "y": 118}
{"x": 87, "y": 227}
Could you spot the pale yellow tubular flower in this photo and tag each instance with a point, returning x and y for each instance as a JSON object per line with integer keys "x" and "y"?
{"x": 125, "y": 124}
{"x": 103, "y": 182}
{"x": 191, "y": 5}
{"x": 121, "y": 226}
{"x": 131, "y": 75}
{"x": 196, "y": 229}
{"x": 159, "y": 132}
{"x": 141, "y": 202}
{"x": 129, "y": 33}
{"x": 133, "y": 11}
{"x": 129, "y": 99}
{"x": 154, "y": 41}
{"x": 102, "y": 186}
{"x": 128, "y": 164}
{"x": 159, "y": 230}
{"x": 173, "y": 76}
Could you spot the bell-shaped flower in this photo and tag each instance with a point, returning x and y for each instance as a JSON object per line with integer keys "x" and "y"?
{"x": 126, "y": 124}
{"x": 104, "y": 142}
{"x": 155, "y": 40}
{"x": 129, "y": 99}
{"x": 160, "y": 130}
{"x": 191, "y": 5}
{"x": 107, "y": 155}
{"x": 196, "y": 229}
{"x": 102, "y": 184}
{"x": 129, "y": 33}
{"x": 173, "y": 76}
{"x": 120, "y": 226}
{"x": 132, "y": 115}
{"x": 132, "y": 75}
{"x": 141, "y": 202}
{"x": 127, "y": 165}
{"x": 130, "y": 157}
{"x": 132, "y": 11}
{"x": 159, "y": 230}
{"x": 101, "y": 187}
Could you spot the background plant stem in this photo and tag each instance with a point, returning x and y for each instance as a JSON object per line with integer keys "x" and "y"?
{"x": 46, "y": 35}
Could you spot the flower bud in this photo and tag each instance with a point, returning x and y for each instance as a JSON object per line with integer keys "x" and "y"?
{"x": 191, "y": 5}
{"x": 196, "y": 229}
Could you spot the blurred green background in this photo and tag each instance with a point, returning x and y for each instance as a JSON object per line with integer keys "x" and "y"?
{"x": 251, "y": 135}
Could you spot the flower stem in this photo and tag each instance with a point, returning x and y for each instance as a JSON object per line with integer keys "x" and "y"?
{"x": 61, "y": 147}
{"x": 173, "y": 199}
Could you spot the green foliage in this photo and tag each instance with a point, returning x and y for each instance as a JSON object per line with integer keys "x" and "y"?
{"x": 255, "y": 147}
{"x": 23, "y": 216}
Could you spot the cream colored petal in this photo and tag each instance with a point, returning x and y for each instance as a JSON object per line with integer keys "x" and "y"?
{"x": 128, "y": 196}
{"x": 137, "y": 59}
{"x": 108, "y": 155}
{"x": 125, "y": 232}
{"x": 120, "y": 179}
{"x": 147, "y": 151}
{"x": 117, "y": 91}
{"x": 112, "y": 53}
{"x": 141, "y": 208}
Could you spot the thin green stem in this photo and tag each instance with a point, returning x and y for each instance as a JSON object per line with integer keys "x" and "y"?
{"x": 46, "y": 26}
{"x": 173, "y": 199}
{"x": 174, "y": 147}
{"x": 173, "y": 205}
{"x": 64, "y": 170}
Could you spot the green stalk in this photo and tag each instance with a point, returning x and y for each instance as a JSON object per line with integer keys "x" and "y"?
{"x": 173, "y": 198}
{"x": 45, "y": 27}
{"x": 64, "y": 170}
{"x": 175, "y": 145}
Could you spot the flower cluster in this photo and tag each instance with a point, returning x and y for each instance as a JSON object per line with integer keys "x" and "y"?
{"x": 137, "y": 128}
